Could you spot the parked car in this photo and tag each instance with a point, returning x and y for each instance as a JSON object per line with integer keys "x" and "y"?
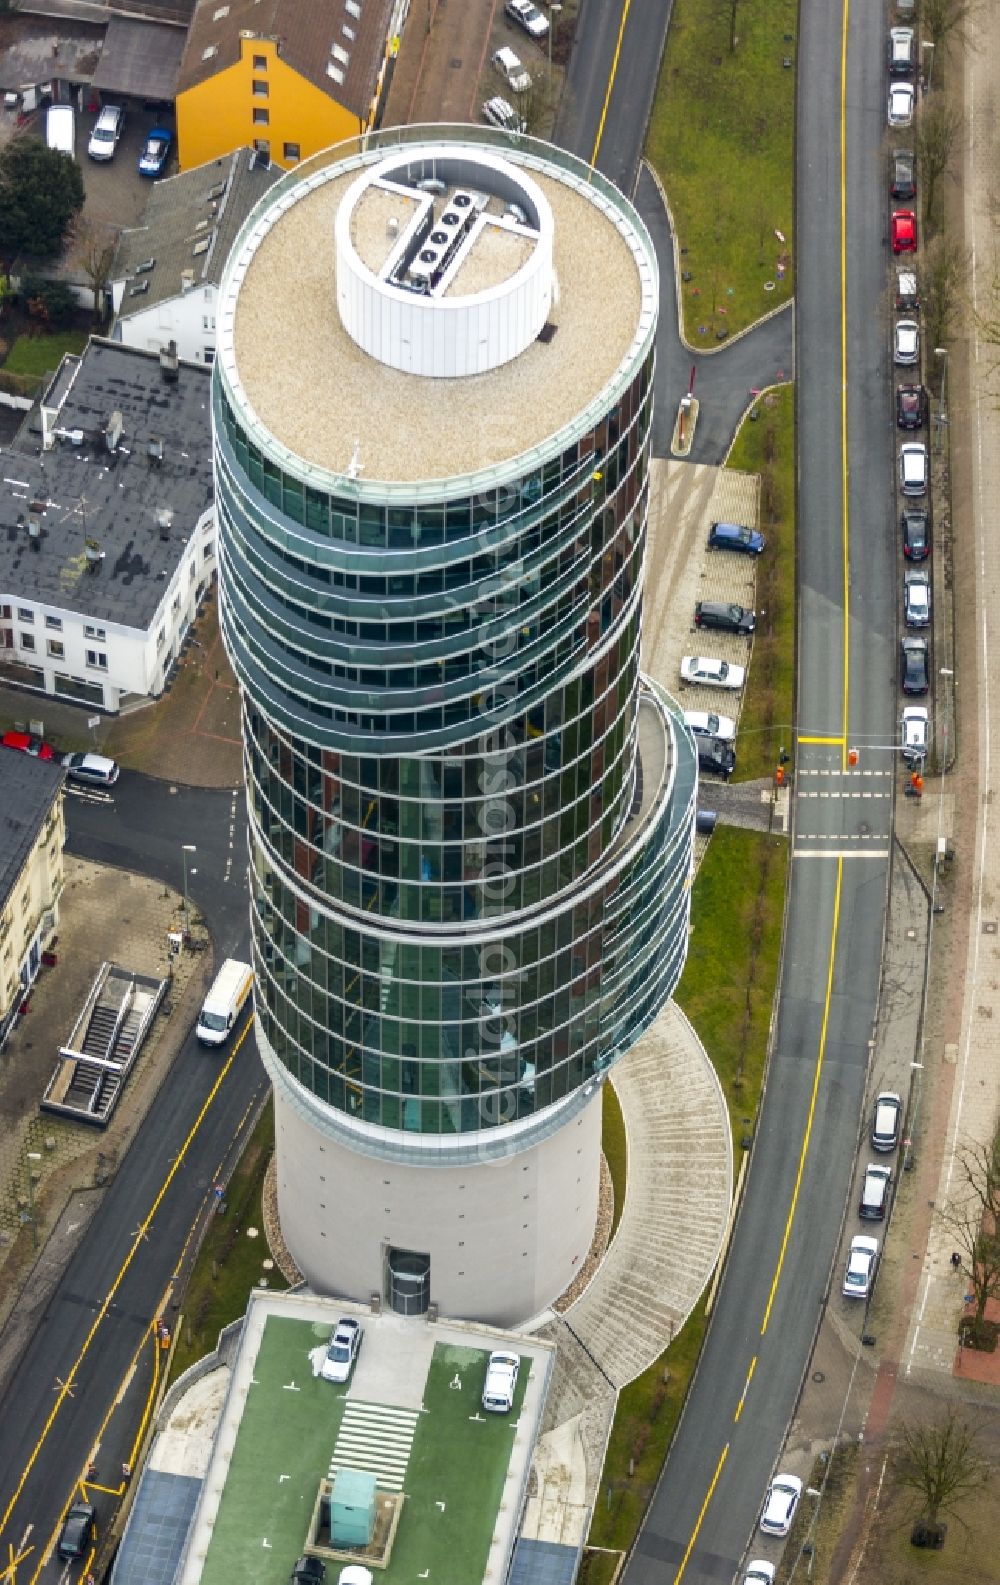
{"x": 915, "y": 730}
{"x": 715, "y": 756}
{"x": 308, "y": 1571}
{"x": 901, "y": 97}
{"x": 735, "y": 536}
{"x": 28, "y": 743}
{"x": 728, "y": 618}
{"x": 907, "y": 295}
{"x": 705, "y": 723}
{"x": 343, "y": 1350}
{"x": 913, "y": 468}
{"x": 902, "y": 174}
{"x": 861, "y": 1262}
{"x": 887, "y": 1120}
{"x": 911, "y": 406}
{"x": 914, "y": 665}
{"x": 155, "y": 151}
{"x": 759, "y": 1572}
{"x": 90, "y": 770}
{"x": 77, "y": 1531}
{"x": 902, "y": 52}
{"x": 508, "y": 65}
{"x": 528, "y": 17}
{"x": 499, "y": 112}
{"x": 875, "y": 1187}
{"x": 780, "y": 1504}
{"x": 906, "y": 343}
{"x": 916, "y": 525}
{"x": 713, "y": 673}
{"x": 501, "y": 1381}
{"x": 904, "y": 231}
{"x": 917, "y": 597}
{"x": 107, "y": 130}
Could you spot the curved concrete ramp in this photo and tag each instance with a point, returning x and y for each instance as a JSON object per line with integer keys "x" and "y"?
{"x": 680, "y": 1184}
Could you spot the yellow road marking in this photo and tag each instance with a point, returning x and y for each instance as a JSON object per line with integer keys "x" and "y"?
{"x": 704, "y": 1509}
{"x": 837, "y": 741}
{"x": 626, "y": 8}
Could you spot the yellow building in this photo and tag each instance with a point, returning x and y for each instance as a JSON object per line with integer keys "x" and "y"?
{"x": 286, "y": 77}
{"x": 32, "y": 835}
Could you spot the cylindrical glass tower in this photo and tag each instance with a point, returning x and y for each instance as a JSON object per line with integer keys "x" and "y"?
{"x": 471, "y": 817}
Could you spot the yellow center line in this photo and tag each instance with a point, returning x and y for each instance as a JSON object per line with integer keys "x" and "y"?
{"x": 746, "y": 1388}
{"x": 840, "y": 740}
{"x": 704, "y": 1509}
{"x": 626, "y": 8}
{"x": 64, "y": 1391}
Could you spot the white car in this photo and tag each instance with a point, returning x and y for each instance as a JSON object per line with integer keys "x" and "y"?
{"x": 901, "y": 104}
{"x": 107, "y": 131}
{"x": 860, "y": 1273}
{"x": 501, "y": 1382}
{"x": 916, "y": 734}
{"x": 528, "y": 17}
{"x": 509, "y": 67}
{"x": 499, "y": 112}
{"x": 780, "y": 1504}
{"x": 906, "y": 344}
{"x": 913, "y": 468}
{"x": 713, "y": 673}
{"x": 917, "y": 597}
{"x": 343, "y": 1350}
{"x": 90, "y": 770}
{"x": 759, "y": 1572}
{"x": 705, "y": 723}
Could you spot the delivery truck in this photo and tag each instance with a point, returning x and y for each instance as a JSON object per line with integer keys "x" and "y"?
{"x": 225, "y": 1002}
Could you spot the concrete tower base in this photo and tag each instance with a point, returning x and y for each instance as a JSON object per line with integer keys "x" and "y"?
{"x": 503, "y": 1238}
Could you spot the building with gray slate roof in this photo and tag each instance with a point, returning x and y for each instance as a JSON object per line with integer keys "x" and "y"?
{"x": 167, "y": 271}
{"x": 32, "y": 834}
{"x": 107, "y": 527}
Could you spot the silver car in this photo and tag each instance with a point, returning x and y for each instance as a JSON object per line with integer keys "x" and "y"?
{"x": 901, "y": 97}
{"x": 906, "y": 343}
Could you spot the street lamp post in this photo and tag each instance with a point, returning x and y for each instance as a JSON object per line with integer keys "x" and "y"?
{"x": 186, "y": 848}
{"x": 33, "y": 1155}
{"x": 553, "y": 11}
{"x": 942, "y": 353}
{"x": 928, "y": 44}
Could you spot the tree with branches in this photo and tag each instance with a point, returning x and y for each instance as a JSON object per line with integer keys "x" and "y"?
{"x": 972, "y": 1216}
{"x": 92, "y": 246}
{"x": 936, "y": 138}
{"x": 939, "y": 1464}
{"x": 943, "y": 275}
{"x": 941, "y": 21}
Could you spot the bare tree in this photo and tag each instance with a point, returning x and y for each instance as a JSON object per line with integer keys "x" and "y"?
{"x": 943, "y": 275}
{"x": 730, "y": 9}
{"x": 972, "y": 1216}
{"x": 941, "y": 21}
{"x": 939, "y": 1463}
{"x": 92, "y": 246}
{"x": 936, "y": 137}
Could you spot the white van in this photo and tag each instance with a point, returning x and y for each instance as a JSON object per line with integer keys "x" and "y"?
{"x": 224, "y": 1002}
{"x": 60, "y": 129}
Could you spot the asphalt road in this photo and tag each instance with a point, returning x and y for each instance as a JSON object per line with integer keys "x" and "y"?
{"x": 41, "y": 1459}
{"x": 708, "y": 1500}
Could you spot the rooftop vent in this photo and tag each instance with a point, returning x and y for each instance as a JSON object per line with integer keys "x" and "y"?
{"x": 217, "y": 191}
{"x": 334, "y": 72}
{"x": 339, "y": 54}
{"x": 164, "y": 518}
{"x": 113, "y": 430}
{"x": 34, "y": 521}
{"x": 144, "y": 268}
{"x": 392, "y": 227}
{"x": 169, "y": 362}
{"x": 206, "y": 54}
{"x": 201, "y": 247}
{"x": 187, "y": 280}
{"x": 140, "y": 290}
{"x": 154, "y": 451}
{"x": 352, "y": 8}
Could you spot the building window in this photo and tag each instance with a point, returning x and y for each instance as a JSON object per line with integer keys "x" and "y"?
{"x": 260, "y": 63}
{"x": 209, "y": 354}
{"x": 292, "y": 151}
{"x": 95, "y": 632}
{"x": 177, "y": 603}
{"x": 192, "y": 573}
{"x": 25, "y": 614}
{"x": 56, "y": 649}
{"x": 161, "y": 638}
{"x": 27, "y": 640}
{"x": 54, "y": 624}
{"x": 208, "y": 321}
{"x": 259, "y": 89}
{"x": 261, "y": 118}
{"x": 208, "y": 552}
{"x": 262, "y": 146}
{"x": 97, "y": 657}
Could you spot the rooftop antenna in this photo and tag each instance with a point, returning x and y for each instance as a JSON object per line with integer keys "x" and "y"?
{"x": 355, "y": 465}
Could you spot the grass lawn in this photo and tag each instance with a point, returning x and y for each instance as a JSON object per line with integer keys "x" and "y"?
{"x": 728, "y": 985}
{"x": 721, "y": 140}
{"x": 229, "y": 1263}
{"x": 766, "y": 445}
{"x": 648, "y": 1410}
{"x": 615, "y": 1147}
{"x": 38, "y": 355}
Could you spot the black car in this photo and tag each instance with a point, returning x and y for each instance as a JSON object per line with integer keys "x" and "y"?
{"x": 715, "y": 756}
{"x": 916, "y": 524}
{"x": 914, "y": 665}
{"x": 77, "y": 1530}
{"x": 911, "y": 406}
{"x": 309, "y": 1571}
{"x": 730, "y": 618}
{"x": 902, "y": 174}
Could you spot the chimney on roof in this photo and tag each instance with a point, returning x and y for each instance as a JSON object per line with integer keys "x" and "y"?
{"x": 113, "y": 430}
{"x": 187, "y": 280}
{"x": 169, "y": 362}
{"x": 154, "y": 451}
{"x": 164, "y": 518}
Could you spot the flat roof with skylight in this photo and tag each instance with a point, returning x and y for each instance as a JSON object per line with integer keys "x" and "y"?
{"x": 298, "y": 1462}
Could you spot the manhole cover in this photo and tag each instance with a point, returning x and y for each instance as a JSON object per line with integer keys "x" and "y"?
{"x": 989, "y": 927}
{"x": 455, "y": 63}
{"x": 819, "y": 1375}
{"x": 864, "y": 829}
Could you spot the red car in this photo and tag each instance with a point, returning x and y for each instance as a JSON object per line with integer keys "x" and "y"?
{"x": 28, "y": 744}
{"x": 904, "y": 231}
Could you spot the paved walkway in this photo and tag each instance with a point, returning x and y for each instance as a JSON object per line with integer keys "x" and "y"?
{"x": 680, "y": 1183}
